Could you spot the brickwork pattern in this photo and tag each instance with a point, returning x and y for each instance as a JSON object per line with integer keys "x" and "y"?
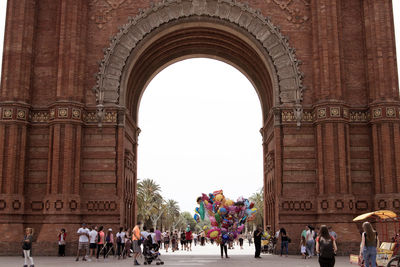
{"x": 325, "y": 72}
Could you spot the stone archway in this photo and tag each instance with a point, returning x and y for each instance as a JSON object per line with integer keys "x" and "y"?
{"x": 282, "y": 64}
{"x": 225, "y": 30}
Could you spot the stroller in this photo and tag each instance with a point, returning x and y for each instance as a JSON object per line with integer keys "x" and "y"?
{"x": 150, "y": 252}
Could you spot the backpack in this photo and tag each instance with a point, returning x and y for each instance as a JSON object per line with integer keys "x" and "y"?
{"x": 119, "y": 240}
{"x": 98, "y": 237}
{"x": 108, "y": 238}
{"x": 326, "y": 248}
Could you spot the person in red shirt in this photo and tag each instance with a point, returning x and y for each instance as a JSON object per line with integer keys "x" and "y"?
{"x": 189, "y": 238}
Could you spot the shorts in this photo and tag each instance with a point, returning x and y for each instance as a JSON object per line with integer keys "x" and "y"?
{"x": 93, "y": 246}
{"x": 166, "y": 242}
{"x": 83, "y": 245}
{"x": 189, "y": 241}
{"x": 183, "y": 242}
{"x": 136, "y": 247}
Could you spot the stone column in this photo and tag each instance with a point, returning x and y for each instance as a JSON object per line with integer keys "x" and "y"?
{"x": 66, "y": 123}
{"x": 14, "y": 113}
{"x": 384, "y": 104}
{"x": 331, "y": 110}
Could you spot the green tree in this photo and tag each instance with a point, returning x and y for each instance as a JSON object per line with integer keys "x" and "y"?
{"x": 189, "y": 220}
{"x": 149, "y": 200}
{"x": 258, "y": 200}
{"x": 171, "y": 214}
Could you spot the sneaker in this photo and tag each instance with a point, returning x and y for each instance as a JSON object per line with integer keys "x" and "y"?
{"x": 25, "y": 265}
{"x": 77, "y": 259}
{"x": 84, "y": 259}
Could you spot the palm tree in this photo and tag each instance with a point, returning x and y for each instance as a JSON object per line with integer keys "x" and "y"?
{"x": 149, "y": 199}
{"x": 258, "y": 199}
{"x": 172, "y": 212}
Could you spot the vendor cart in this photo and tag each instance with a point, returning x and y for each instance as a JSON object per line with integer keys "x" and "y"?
{"x": 387, "y": 254}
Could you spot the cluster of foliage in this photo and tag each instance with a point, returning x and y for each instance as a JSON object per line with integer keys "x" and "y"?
{"x": 160, "y": 213}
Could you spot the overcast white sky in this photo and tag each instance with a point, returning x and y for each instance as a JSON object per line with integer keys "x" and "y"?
{"x": 200, "y": 122}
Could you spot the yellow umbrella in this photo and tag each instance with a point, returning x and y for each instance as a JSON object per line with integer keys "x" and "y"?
{"x": 382, "y": 214}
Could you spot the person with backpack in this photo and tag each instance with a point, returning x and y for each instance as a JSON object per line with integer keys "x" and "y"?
{"x": 120, "y": 243}
{"x": 110, "y": 242}
{"x": 100, "y": 243}
{"x": 369, "y": 243}
{"x": 27, "y": 246}
{"x": 326, "y": 248}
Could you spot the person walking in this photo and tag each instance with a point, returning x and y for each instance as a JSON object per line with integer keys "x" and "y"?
{"x": 158, "y": 238}
{"x": 27, "y": 247}
{"x": 241, "y": 240}
{"x": 257, "y": 241}
{"x": 128, "y": 242}
{"x": 310, "y": 242}
{"x": 83, "y": 244}
{"x": 136, "y": 246}
{"x": 166, "y": 239}
{"x": 284, "y": 241}
{"x": 224, "y": 247}
{"x": 62, "y": 235}
{"x": 110, "y": 242}
{"x": 303, "y": 249}
{"x": 326, "y": 248}
{"x": 195, "y": 238}
{"x": 92, "y": 241}
{"x": 249, "y": 238}
{"x": 369, "y": 243}
{"x": 100, "y": 243}
{"x": 174, "y": 241}
{"x": 189, "y": 238}
{"x": 183, "y": 240}
{"x": 120, "y": 243}
{"x": 202, "y": 238}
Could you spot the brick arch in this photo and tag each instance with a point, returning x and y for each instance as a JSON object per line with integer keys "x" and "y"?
{"x": 273, "y": 50}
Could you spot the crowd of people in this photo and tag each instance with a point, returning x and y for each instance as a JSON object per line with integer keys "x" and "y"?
{"x": 98, "y": 242}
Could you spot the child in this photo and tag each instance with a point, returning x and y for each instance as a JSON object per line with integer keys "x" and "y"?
{"x": 27, "y": 246}
{"x": 303, "y": 247}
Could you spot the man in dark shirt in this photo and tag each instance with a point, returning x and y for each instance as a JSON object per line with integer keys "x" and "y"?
{"x": 257, "y": 241}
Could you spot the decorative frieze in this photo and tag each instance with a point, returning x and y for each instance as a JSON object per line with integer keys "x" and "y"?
{"x": 359, "y": 116}
{"x": 62, "y": 113}
{"x": 353, "y": 116}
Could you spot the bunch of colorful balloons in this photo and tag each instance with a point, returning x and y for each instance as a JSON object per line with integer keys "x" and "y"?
{"x": 227, "y": 217}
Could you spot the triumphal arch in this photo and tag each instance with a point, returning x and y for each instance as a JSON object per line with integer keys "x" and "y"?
{"x": 74, "y": 73}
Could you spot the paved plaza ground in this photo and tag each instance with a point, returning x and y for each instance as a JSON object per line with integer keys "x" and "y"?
{"x": 207, "y": 256}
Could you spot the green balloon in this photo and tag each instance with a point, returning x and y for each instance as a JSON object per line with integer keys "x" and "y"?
{"x": 201, "y": 211}
{"x": 217, "y": 218}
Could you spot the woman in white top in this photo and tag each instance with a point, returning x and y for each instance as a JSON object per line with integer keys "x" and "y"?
{"x": 310, "y": 242}
{"x": 121, "y": 243}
